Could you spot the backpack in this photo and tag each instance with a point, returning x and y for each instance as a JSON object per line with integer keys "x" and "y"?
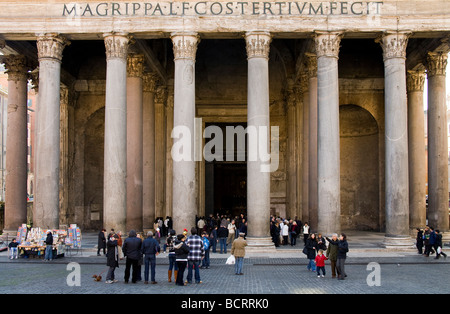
{"x": 205, "y": 243}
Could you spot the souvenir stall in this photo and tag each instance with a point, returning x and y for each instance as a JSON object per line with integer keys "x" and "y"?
{"x": 32, "y": 241}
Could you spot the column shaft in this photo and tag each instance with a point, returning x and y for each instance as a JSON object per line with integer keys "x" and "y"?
{"x": 438, "y": 195}
{"x": 328, "y": 149}
{"x": 46, "y": 198}
{"x": 258, "y": 118}
{"x": 416, "y": 149}
{"x": 396, "y": 139}
{"x": 160, "y": 150}
{"x": 135, "y": 63}
{"x": 148, "y": 151}
{"x": 16, "y": 144}
{"x": 184, "y": 183}
{"x": 115, "y": 160}
{"x": 313, "y": 197}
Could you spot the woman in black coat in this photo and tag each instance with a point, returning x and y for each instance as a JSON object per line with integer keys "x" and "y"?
{"x": 112, "y": 258}
{"x": 311, "y": 246}
{"x": 101, "y": 242}
{"x": 181, "y": 252}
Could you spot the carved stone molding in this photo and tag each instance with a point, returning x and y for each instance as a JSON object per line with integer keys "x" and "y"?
{"x": 394, "y": 44}
{"x": 436, "y": 63}
{"x": 135, "y": 65}
{"x": 16, "y": 67}
{"x": 415, "y": 81}
{"x": 327, "y": 44}
{"x": 185, "y": 45}
{"x": 50, "y": 46}
{"x": 116, "y": 45}
{"x": 258, "y": 44}
{"x": 149, "y": 80}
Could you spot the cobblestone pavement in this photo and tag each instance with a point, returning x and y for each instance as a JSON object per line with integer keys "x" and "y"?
{"x": 414, "y": 274}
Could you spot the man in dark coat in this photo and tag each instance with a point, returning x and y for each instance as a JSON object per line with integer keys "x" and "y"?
{"x": 49, "y": 247}
{"x": 150, "y": 248}
{"x": 112, "y": 258}
{"x": 419, "y": 241}
{"x": 132, "y": 250}
{"x": 101, "y": 242}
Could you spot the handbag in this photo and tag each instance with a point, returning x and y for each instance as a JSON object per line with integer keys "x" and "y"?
{"x": 305, "y": 250}
{"x": 231, "y": 260}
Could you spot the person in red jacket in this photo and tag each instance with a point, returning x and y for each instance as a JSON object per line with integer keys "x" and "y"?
{"x": 320, "y": 263}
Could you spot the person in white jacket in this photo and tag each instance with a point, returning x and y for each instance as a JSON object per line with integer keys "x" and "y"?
{"x": 285, "y": 232}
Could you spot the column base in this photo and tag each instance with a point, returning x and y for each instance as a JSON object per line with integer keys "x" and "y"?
{"x": 398, "y": 242}
{"x": 260, "y": 245}
{"x": 446, "y": 238}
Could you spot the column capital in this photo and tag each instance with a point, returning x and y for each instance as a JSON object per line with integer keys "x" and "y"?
{"x": 161, "y": 94}
{"x": 16, "y": 67}
{"x": 116, "y": 45}
{"x": 135, "y": 65}
{"x": 50, "y": 46}
{"x": 311, "y": 64}
{"x": 34, "y": 77}
{"x": 327, "y": 43}
{"x": 149, "y": 82}
{"x": 436, "y": 63}
{"x": 415, "y": 80}
{"x": 394, "y": 44}
{"x": 185, "y": 45}
{"x": 258, "y": 44}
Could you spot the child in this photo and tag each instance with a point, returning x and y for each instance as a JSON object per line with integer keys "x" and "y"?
{"x": 13, "y": 253}
{"x": 320, "y": 263}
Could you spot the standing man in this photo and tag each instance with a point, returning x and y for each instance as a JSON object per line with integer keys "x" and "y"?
{"x": 231, "y": 232}
{"x": 150, "y": 248}
{"x": 101, "y": 244}
{"x": 132, "y": 250}
{"x": 196, "y": 253}
{"x": 222, "y": 234}
{"x": 238, "y": 250}
{"x": 49, "y": 247}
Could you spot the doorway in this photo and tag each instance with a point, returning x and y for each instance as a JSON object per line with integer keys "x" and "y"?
{"x": 226, "y": 181}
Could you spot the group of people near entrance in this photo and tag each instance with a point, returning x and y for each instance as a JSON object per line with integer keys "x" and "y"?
{"x": 431, "y": 240}
{"x": 185, "y": 252}
{"x": 286, "y": 231}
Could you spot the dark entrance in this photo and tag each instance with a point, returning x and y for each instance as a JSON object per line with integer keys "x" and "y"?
{"x": 226, "y": 182}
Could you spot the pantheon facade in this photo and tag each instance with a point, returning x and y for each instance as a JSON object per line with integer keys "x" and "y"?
{"x": 343, "y": 81}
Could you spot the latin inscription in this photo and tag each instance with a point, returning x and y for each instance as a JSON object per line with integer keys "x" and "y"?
{"x": 206, "y": 8}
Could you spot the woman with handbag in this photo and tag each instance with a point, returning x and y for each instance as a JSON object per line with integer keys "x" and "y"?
{"x": 311, "y": 246}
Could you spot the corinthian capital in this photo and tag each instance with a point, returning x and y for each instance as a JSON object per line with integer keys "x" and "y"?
{"x": 51, "y": 46}
{"x": 161, "y": 94}
{"x": 17, "y": 67}
{"x": 185, "y": 45}
{"x": 327, "y": 44}
{"x": 436, "y": 63}
{"x": 311, "y": 64}
{"x": 415, "y": 81}
{"x": 258, "y": 44}
{"x": 116, "y": 45}
{"x": 394, "y": 44}
{"x": 135, "y": 65}
{"x": 149, "y": 80}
